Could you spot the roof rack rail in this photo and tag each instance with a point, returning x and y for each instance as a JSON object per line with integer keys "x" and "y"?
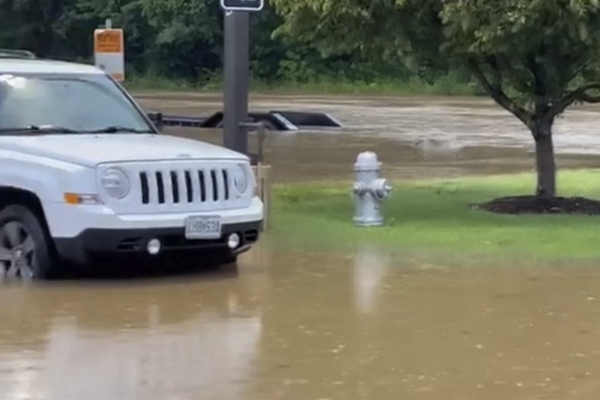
{"x": 12, "y": 53}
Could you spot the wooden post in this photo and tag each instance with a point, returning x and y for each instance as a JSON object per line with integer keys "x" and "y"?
{"x": 263, "y": 182}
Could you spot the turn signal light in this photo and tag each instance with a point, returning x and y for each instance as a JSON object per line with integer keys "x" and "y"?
{"x": 79, "y": 198}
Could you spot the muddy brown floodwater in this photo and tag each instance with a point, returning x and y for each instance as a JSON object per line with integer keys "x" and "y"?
{"x": 293, "y": 323}
{"x": 414, "y": 137}
{"x": 306, "y": 325}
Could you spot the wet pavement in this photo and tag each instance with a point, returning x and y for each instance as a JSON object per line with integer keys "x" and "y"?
{"x": 294, "y": 323}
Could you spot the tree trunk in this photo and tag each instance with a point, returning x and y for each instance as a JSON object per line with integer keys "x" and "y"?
{"x": 546, "y": 168}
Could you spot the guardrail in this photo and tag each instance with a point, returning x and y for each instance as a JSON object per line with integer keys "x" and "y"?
{"x": 273, "y": 120}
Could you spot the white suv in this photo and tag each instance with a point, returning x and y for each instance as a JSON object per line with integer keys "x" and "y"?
{"x": 86, "y": 174}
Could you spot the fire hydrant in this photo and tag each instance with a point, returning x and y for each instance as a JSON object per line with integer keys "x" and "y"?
{"x": 369, "y": 190}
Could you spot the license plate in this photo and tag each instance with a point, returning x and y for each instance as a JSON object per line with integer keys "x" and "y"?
{"x": 203, "y": 227}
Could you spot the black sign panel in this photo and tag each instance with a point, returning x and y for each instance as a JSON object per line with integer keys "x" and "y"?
{"x": 242, "y": 5}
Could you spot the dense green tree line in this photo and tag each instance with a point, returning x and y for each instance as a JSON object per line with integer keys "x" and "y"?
{"x": 180, "y": 39}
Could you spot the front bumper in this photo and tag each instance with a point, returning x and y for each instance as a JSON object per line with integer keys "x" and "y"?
{"x": 95, "y": 244}
{"x": 68, "y": 221}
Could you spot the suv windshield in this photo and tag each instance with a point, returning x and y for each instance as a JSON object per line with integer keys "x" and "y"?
{"x": 66, "y": 104}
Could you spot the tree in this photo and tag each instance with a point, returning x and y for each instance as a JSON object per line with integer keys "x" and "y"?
{"x": 534, "y": 58}
{"x": 29, "y": 23}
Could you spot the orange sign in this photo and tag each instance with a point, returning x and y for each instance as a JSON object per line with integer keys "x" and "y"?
{"x": 108, "y": 41}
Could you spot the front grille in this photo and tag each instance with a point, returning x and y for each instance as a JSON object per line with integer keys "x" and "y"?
{"x": 185, "y": 186}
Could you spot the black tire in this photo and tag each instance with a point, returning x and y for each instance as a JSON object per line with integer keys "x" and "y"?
{"x": 43, "y": 265}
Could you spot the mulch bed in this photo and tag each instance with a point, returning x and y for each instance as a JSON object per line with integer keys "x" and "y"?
{"x": 537, "y": 205}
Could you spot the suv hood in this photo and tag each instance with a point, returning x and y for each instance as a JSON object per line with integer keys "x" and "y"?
{"x": 93, "y": 149}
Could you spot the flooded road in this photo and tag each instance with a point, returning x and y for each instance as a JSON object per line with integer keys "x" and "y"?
{"x": 298, "y": 324}
{"x": 414, "y": 137}
{"x": 308, "y": 325}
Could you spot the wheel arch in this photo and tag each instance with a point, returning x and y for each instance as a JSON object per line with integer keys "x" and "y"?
{"x": 14, "y": 195}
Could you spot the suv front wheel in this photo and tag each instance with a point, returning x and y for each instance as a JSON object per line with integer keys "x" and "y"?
{"x": 24, "y": 249}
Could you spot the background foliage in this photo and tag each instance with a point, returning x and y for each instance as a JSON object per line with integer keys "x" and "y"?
{"x": 183, "y": 40}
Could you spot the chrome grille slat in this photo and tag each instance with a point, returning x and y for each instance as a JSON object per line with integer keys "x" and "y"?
{"x": 180, "y": 186}
{"x": 168, "y": 187}
{"x": 152, "y": 188}
{"x": 208, "y": 187}
{"x": 195, "y": 194}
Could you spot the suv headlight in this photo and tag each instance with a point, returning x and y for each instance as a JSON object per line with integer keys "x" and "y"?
{"x": 240, "y": 179}
{"x": 115, "y": 183}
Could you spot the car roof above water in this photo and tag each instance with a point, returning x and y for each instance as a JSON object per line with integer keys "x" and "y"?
{"x": 40, "y": 66}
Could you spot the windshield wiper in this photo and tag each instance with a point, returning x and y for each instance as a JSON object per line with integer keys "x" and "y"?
{"x": 38, "y": 129}
{"x": 116, "y": 129}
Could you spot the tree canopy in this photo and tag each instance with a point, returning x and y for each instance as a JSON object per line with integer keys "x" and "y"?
{"x": 172, "y": 38}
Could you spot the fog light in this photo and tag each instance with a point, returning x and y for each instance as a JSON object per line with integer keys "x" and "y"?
{"x": 233, "y": 240}
{"x": 153, "y": 246}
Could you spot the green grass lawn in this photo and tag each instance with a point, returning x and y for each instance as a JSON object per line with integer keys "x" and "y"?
{"x": 436, "y": 216}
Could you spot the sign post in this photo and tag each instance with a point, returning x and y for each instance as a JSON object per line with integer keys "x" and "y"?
{"x": 109, "y": 51}
{"x": 242, "y": 5}
{"x": 237, "y": 71}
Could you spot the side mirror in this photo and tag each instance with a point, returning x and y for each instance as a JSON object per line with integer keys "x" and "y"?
{"x": 157, "y": 119}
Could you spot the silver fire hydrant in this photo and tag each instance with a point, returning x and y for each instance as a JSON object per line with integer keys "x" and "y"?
{"x": 369, "y": 190}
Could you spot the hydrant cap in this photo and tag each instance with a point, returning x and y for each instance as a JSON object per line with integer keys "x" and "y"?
{"x": 367, "y": 159}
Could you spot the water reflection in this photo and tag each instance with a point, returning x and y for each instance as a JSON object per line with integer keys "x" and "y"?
{"x": 136, "y": 340}
{"x": 371, "y": 265}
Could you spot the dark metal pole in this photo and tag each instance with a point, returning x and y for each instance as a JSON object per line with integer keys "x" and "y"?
{"x": 237, "y": 80}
